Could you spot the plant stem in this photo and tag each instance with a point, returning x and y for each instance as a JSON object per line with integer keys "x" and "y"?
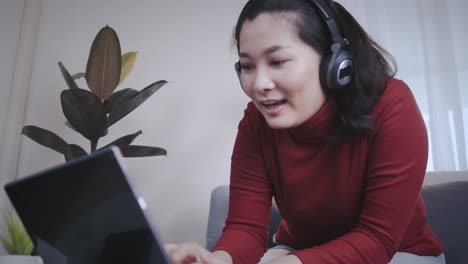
{"x": 94, "y": 145}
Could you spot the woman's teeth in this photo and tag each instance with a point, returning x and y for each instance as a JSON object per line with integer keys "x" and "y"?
{"x": 272, "y": 104}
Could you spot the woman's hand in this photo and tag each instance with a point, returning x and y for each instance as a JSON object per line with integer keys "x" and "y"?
{"x": 288, "y": 259}
{"x": 187, "y": 253}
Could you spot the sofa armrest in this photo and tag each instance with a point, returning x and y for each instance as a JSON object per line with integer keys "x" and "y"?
{"x": 447, "y": 215}
{"x": 219, "y": 202}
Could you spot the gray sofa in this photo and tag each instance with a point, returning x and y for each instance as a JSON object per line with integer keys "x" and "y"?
{"x": 446, "y": 199}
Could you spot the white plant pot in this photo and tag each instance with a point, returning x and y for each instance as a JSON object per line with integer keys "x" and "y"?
{"x": 14, "y": 259}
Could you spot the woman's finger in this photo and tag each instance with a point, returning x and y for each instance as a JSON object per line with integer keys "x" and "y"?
{"x": 185, "y": 253}
{"x": 170, "y": 247}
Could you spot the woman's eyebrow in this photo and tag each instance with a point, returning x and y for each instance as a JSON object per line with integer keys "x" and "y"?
{"x": 265, "y": 52}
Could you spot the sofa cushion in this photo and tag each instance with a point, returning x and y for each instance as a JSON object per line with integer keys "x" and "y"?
{"x": 219, "y": 204}
{"x": 447, "y": 215}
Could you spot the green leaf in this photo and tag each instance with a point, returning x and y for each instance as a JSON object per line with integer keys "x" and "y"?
{"x": 45, "y": 138}
{"x": 104, "y": 63}
{"x": 134, "y": 151}
{"x": 122, "y": 109}
{"x": 21, "y": 243}
{"x": 85, "y": 112}
{"x": 78, "y": 75}
{"x": 125, "y": 140}
{"x": 74, "y": 151}
{"x": 118, "y": 97}
{"x": 68, "y": 78}
{"x": 128, "y": 62}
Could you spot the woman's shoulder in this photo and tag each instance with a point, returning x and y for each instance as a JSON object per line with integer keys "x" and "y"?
{"x": 395, "y": 90}
{"x": 397, "y": 96}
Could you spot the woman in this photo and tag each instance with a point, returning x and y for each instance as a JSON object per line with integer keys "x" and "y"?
{"x": 330, "y": 135}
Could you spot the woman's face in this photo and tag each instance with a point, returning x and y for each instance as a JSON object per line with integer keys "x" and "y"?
{"x": 279, "y": 72}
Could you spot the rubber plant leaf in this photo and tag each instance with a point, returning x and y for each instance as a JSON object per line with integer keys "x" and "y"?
{"x": 118, "y": 97}
{"x": 45, "y": 138}
{"x": 128, "y": 62}
{"x": 85, "y": 112}
{"x": 68, "y": 78}
{"x": 52, "y": 141}
{"x": 72, "y": 128}
{"x": 74, "y": 151}
{"x": 124, "y": 141}
{"x": 104, "y": 63}
{"x": 78, "y": 75}
{"x": 122, "y": 109}
{"x": 134, "y": 151}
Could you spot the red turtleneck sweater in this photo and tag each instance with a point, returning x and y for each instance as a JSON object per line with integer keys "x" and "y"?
{"x": 352, "y": 202}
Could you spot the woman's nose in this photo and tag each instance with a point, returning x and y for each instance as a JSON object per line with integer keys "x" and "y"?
{"x": 263, "y": 81}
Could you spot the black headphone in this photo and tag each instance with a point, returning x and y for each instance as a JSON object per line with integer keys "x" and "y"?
{"x": 336, "y": 68}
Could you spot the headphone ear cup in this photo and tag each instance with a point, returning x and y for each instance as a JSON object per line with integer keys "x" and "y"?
{"x": 339, "y": 70}
{"x": 237, "y": 68}
{"x": 238, "y": 72}
{"x": 342, "y": 70}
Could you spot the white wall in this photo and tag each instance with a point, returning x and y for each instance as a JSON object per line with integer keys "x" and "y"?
{"x": 10, "y": 23}
{"x": 194, "y": 117}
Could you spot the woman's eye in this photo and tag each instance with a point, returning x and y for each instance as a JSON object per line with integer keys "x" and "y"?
{"x": 278, "y": 62}
{"x": 246, "y": 66}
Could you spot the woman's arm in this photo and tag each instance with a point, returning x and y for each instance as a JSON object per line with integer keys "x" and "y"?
{"x": 250, "y": 195}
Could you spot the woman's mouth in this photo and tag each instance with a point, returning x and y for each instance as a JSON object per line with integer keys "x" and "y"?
{"x": 273, "y": 108}
{"x": 271, "y": 104}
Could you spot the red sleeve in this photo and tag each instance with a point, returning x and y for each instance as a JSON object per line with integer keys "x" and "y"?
{"x": 245, "y": 234}
{"x": 396, "y": 163}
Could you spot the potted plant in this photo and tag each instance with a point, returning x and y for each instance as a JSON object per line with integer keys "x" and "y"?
{"x": 91, "y": 112}
{"x": 17, "y": 243}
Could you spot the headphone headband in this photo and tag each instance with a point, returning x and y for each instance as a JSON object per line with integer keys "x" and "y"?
{"x": 329, "y": 17}
{"x": 336, "y": 68}
{"x": 325, "y": 10}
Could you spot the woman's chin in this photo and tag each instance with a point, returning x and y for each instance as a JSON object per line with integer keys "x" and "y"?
{"x": 279, "y": 123}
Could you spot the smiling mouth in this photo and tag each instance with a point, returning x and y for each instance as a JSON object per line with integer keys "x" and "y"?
{"x": 273, "y": 104}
